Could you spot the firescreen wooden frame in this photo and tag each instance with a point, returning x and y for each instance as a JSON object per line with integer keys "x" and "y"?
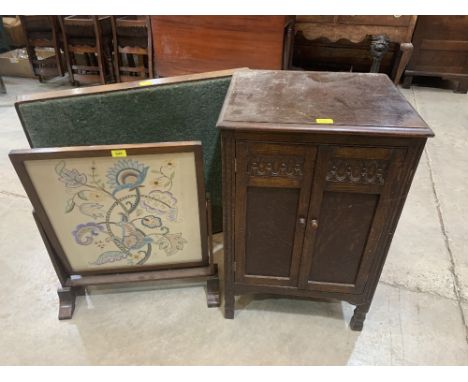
{"x": 73, "y": 282}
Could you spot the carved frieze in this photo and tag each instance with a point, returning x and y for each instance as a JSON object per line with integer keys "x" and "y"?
{"x": 288, "y": 167}
{"x": 359, "y": 171}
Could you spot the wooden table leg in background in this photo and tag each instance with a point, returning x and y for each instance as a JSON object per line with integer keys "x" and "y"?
{"x": 406, "y": 50}
{"x": 462, "y": 86}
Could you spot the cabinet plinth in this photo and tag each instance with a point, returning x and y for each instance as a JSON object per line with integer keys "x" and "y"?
{"x": 310, "y": 209}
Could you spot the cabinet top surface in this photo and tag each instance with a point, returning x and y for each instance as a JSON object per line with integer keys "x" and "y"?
{"x": 343, "y": 103}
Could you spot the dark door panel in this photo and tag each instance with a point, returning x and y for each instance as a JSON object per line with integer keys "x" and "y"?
{"x": 348, "y": 209}
{"x": 273, "y": 184}
{"x": 345, "y": 222}
{"x": 271, "y": 222}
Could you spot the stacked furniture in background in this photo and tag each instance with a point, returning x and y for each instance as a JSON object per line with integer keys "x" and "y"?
{"x": 13, "y": 34}
{"x": 440, "y": 50}
{"x": 356, "y": 43}
{"x": 93, "y": 49}
{"x": 43, "y": 32}
{"x": 87, "y": 44}
{"x": 133, "y": 47}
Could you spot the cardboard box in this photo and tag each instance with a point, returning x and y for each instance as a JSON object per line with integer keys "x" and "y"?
{"x": 15, "y": 63}
{"x": 14, "y": 31}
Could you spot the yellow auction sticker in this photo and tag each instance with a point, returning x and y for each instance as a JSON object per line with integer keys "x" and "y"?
{"x": 324, "y": 121}
{"x": 118, "y": 153}
{"x": 145, "y": 83}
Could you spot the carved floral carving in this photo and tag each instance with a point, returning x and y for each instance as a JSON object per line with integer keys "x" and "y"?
{"x": 288, "y": 167}
{"x": 358, "y": 171}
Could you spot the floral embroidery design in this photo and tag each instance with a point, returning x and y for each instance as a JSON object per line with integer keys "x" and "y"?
{"x": 121, "y": 229}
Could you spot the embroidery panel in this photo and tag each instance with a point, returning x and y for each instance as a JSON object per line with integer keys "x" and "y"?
{"x": 122, "y": 212}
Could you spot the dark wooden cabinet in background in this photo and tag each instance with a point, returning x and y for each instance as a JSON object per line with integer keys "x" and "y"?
{"x": 316, "y": 169}
{"x": 440, "y": 50}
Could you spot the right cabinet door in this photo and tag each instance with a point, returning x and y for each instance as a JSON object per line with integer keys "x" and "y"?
{"x": 350, "y": 201}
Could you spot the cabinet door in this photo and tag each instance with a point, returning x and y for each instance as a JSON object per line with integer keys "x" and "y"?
{"x": 272, "y": 197}
{"x": 349, "y": 205}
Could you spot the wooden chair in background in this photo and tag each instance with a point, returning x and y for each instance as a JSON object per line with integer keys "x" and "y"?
{"x": 43, "y": 32}
{"x": 87, "y": 44}
{"x": 133, "y": 47}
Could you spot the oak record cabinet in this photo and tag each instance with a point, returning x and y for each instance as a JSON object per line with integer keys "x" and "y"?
{"x": 310, "y": 209}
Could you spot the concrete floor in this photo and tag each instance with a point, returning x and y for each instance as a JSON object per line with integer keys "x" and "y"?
{"x": 419, "y": 315}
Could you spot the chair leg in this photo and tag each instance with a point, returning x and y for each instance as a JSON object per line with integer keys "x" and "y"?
{"x": 108, "y": 58}
{"x": 99, "y": 49}
{"x": 149, "y": 49}
{"x": 66, "y": 51}
{"x": 116, "y": 56}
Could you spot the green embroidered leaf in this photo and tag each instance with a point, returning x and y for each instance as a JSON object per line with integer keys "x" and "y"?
{"x": 82, "y": 195}
{"x": 110, "y": 257}
{"x": 59, "y": 167}
{"x": 171, "y": 243}
{"x": 70, "y": 205}
{"x": 92, "y": 209}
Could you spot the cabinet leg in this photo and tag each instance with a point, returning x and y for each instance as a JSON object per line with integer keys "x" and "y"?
{"x": 212, "y": 293}
{"x": 67, "y": 296}
{"x": 407, "y": 82}
{"x": 359, "y": 316}
{"x": 2, "y": 86}
{"x": 462, "y": 87}
{"x": 229, "y": 302}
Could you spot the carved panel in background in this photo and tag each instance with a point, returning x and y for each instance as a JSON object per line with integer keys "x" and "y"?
{"x": 287, "y": 167}
{"x": 359, "y": 171}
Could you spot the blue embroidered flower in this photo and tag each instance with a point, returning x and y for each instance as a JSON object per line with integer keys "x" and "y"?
{"x": 126, "y": 174}
{"x": 151, "y": 221}
{"x": 84, "y": 233}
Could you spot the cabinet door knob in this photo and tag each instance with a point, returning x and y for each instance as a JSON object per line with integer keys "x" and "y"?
{"x": 314, "y": 223}
{"x": 302, "y": 220}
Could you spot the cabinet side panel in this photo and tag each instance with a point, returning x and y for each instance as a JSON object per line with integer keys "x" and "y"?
{"x": 345, "y": 222}
{"x": 271, "y": 221}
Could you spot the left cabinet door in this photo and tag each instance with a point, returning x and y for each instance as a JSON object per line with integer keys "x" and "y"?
{"x": 273, "y": 183}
